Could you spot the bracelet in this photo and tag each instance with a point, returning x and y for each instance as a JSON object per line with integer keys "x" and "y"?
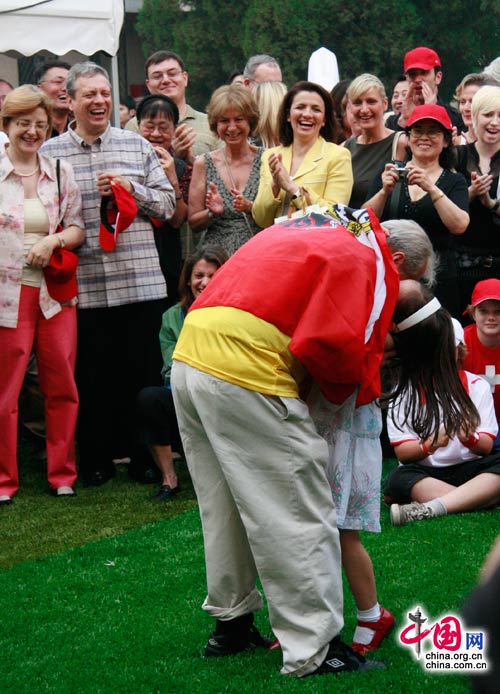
{"x": 424, "y": 448}
{"x": 178, "y": 197}
{"x": 438, "y": 197}
{"x": 495, "y": 206}
{"x": 62, "y": 242}
{"x": 210, "y": 215}
{"x": 297, "y": 194}
{"x": 471, "y": 441}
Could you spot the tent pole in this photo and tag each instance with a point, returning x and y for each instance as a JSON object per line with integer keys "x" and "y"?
{"x": 115, "y": 89}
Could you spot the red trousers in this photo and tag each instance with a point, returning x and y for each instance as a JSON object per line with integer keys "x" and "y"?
{"x": 54, "y": 342}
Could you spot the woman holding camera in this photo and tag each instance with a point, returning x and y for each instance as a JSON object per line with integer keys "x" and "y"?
{"x": 427, "y": 190}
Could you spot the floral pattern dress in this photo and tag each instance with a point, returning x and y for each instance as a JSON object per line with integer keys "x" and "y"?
{"x": 232, "y": 229}
{"x": 355, "y": 458}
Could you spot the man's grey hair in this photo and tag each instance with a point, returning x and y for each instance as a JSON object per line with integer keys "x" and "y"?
{"x": 493, "y": 69}
{"x": 256, "y": 61}
{"x": 409, "y": 238}
{"x": 86, "y": 69}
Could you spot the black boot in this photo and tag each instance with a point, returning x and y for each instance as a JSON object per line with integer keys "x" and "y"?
{"x": 235, "y": 636}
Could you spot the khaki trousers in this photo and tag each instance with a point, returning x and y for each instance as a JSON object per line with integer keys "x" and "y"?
{"x": 258, "y": 467}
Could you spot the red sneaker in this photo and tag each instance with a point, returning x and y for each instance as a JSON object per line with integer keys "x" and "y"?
{"x": 381, "y": 628}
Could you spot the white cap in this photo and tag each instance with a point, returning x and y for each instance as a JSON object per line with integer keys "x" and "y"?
{"x": 459, "y": 332}
{"x": 323, "y": 68}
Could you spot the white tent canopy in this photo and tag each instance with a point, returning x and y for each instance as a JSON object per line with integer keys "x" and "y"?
{"x": 61, "y": 26}
{"x": 86, "y": 26}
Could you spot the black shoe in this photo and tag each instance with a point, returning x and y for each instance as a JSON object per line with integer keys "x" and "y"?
{"x": 341, "y": 658}
{"x": 166, "y": 493}
{"x": 226, "y": 644}
{"x": 98, "y": 477}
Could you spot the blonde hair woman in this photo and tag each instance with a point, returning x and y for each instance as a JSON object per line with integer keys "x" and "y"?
{"x": 375, "y": 145}
{"x": 479, "y": 248}
{"x": 269, "y": 96}
{"x": 34, "y": 199}
{"x": 224, "y": 182}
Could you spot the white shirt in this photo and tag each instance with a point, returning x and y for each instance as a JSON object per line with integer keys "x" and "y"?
{"x": 455, "y": 452}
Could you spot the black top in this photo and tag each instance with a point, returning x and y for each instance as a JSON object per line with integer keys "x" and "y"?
{"x": 169, "y": 246}
{"x": 453, "y": 185}
{"x": 366, "y": 161}
{"x": 483, "y": 232}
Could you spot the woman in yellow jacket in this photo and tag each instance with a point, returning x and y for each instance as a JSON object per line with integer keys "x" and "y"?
{"x": 307, "y": 168}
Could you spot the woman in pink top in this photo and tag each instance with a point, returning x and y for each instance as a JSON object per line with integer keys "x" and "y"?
{"x": 34, "y": 200}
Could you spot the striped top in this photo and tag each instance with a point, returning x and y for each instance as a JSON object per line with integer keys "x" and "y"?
{"x": 131, "y": 273}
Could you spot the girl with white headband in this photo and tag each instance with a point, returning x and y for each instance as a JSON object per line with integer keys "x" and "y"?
{"x": 441, "y": 421}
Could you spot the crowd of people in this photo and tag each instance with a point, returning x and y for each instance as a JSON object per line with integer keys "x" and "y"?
{"x": 219, "y": 285}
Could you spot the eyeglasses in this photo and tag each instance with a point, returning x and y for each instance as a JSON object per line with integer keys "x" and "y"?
{"x": 27, "y": 124}
{"x": 59, "y": 81}
{"x": 169, "y": 74}
{"x": 431, "y": 133}
{"x": 150, "y": 127}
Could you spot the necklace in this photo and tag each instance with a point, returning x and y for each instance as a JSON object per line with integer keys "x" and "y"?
{"x": 27, "y": 175}
{"x": 234, "y": 186}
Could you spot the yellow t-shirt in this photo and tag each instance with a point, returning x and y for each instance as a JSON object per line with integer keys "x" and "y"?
{"x": 240, "y": 348}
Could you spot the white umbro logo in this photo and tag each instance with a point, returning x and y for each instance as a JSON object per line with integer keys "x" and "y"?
{"x": 335, "y": 663}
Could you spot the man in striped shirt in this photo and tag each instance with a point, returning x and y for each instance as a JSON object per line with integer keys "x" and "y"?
{"x": 121, "y": 292}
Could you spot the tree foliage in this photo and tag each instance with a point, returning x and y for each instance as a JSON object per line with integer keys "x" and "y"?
{"x": 356, "y": 33}
{"x": 214, "y": 38}
{"x": 208, "y": 38}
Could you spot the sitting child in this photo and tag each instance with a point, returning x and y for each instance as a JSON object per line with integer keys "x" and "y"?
{"x": 451, "y": 471}
{"x": 157, "y": 420}
{"x": 483, "y": 339}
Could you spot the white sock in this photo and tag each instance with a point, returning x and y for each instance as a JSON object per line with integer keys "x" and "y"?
{"x": 371, "y": 615}
{"x": 364, "y": 634}
{"x": 437, "y": 506}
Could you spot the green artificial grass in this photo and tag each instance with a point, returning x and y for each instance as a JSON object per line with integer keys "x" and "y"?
{"x": 37, "y": 524}
{"x": 122, "y": 613}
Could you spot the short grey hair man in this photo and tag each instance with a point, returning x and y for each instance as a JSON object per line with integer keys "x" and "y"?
{"x": 261, "y": 68}
{"x": 412, "y": 250}
{"x": 120, "y": 279}
{"x": 493, "y": 69}
{"x": 85, "y": 69}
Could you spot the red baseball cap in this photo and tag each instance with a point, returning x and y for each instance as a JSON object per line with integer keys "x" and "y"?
{"x": 484, "y": 290}
{"x": 432, "y": 112}
{"x": 421, "y": 58}
{"x": 60, "y": 275}
{"x": 117, "y": 214}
